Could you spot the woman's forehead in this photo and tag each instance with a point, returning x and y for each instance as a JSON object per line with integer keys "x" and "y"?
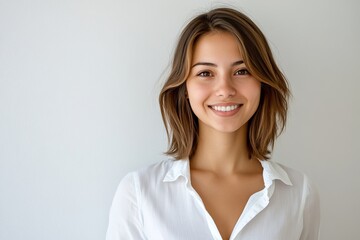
{"x": 217, "y": 46}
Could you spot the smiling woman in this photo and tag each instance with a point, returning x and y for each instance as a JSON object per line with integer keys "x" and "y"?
{"x": 221, "y": 92}
{"x": 223, "y": 105}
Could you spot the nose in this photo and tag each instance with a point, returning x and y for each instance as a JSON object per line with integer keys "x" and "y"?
{"x": 225, "y": 87}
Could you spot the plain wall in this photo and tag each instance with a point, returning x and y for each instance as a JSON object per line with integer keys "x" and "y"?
{"x": 78, "y": 104}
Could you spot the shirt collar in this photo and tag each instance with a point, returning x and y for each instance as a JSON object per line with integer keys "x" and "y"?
{"x": 274, "y": 171}
{"x": 177, "y": 169}
{"x": 271, "y": 171}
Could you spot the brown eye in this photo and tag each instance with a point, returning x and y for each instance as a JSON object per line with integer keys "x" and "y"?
{"x": 204, "y": 74}
{"x": 242, "y": 72}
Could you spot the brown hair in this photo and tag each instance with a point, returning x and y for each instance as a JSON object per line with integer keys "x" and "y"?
{"x": 268, "y": 121}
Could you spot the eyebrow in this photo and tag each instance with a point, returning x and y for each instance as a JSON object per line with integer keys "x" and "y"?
{"x": 214, "y": 65}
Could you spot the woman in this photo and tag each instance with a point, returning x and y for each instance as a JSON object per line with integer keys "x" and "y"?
{"x": 223, "y": 105}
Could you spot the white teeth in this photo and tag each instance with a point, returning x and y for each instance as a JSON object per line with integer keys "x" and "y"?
{"x": 225, "y": 108}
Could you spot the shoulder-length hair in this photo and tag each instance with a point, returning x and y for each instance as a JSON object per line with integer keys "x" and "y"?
{"x": 268, "y": 121}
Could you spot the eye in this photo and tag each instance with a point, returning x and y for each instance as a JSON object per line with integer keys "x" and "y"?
{"x": 204, "y": 74}
{"x": 242, "y": 72}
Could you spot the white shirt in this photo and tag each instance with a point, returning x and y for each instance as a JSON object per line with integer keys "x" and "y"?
{"x": 159, "y": 203}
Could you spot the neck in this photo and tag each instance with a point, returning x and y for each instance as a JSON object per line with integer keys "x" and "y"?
{"x": 222, "y": 153}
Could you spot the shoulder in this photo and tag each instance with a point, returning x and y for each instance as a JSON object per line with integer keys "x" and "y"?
{"x": 154, "y": 171}
{"x": 297, "y": 176}
{"x": 299, "y": 180}
{"x": 306, "y": 196}
{"x": 149, "y": 176}
{"x": 151, "y": 173}
{"x": 135, "y": 189}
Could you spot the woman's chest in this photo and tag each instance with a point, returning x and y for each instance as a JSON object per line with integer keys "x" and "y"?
{"x": 225, "y": 198}
{"x": 176, "y": 211}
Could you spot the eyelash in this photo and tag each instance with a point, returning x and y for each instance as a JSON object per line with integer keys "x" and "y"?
{"x": 238, "y": 72}
{"x": 201, "y": 74}
{"x": 243, "y": 72}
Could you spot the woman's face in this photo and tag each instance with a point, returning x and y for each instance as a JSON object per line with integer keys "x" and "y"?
{"x": 222, "y": 93}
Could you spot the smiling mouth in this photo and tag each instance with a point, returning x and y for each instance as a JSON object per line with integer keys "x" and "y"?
{"x": 226, "y": 108}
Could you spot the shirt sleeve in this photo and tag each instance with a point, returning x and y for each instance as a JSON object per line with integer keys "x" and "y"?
{"x": 124, "y": 217}
{"x": 311, "y": 213}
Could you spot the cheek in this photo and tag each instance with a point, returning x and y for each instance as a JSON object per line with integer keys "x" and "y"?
{"x": 197, "y": 93}
{"x": 195, "y": 101}
{"x": 253, "y": 92}
{"x": 197, "y": 96}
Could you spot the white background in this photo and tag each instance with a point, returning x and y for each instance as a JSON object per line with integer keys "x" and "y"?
{"x": 78, "y": 104}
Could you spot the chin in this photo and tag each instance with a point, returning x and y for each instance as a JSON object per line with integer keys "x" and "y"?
{"x": 227, "y": 129}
